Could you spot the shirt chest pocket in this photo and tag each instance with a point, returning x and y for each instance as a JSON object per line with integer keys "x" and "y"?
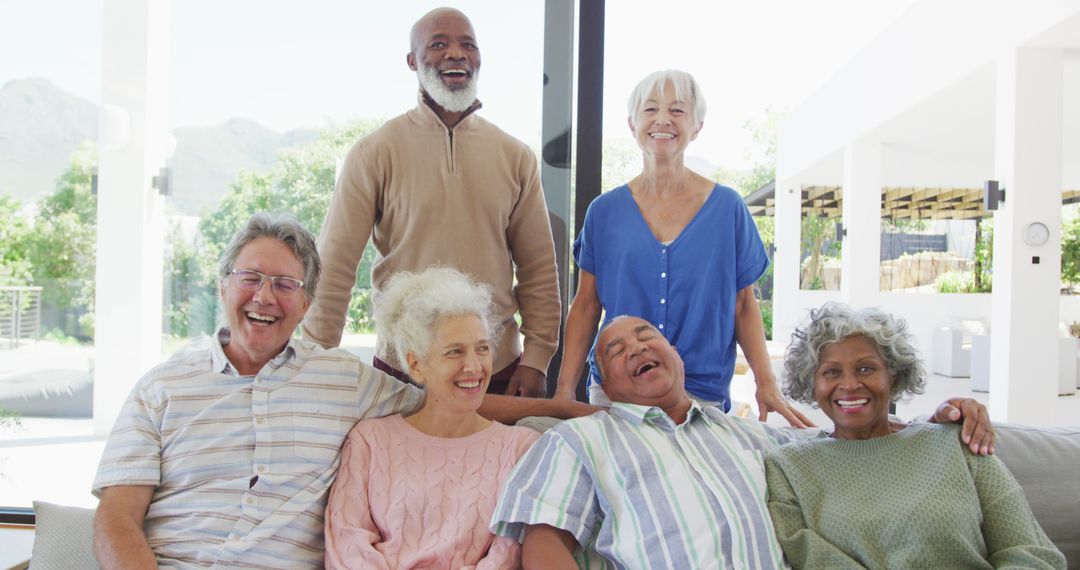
{"x": 300, "y": 429}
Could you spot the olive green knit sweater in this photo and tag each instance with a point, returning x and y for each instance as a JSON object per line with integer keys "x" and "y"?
{"x": 913, "y": 499}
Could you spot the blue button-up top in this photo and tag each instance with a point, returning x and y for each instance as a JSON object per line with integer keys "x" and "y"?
{"x": 686, "y": 288}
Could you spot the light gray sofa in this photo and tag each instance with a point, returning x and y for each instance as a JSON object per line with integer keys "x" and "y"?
{"x": 1046, "y": 462}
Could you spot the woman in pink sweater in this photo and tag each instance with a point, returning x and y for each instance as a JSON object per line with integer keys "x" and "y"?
{"x": 418, "y": 491}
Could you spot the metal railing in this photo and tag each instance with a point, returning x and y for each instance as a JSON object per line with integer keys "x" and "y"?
{"x": 20, "y": 314}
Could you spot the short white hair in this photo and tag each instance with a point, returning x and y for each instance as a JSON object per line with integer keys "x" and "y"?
{"x": 686, "y": 90}
{"x": 409, "y": 306}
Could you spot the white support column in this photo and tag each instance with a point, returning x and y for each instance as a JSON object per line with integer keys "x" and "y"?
{"x": 861, "y": 256}
{"x": 130, "y": 222}
{"x": 1025, "y": 303}
{"x": 786, "y": 310}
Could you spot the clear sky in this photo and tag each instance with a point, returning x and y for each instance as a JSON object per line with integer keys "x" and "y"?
{"x": 287, "y": 64}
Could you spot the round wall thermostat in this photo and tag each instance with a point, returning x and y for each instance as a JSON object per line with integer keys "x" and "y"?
{"x": 1036, "y": 233}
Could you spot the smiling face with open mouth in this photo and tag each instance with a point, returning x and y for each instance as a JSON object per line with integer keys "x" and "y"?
{"x": 446, "y": 58}
{"x": 853, "y": 386}
{"x": 639, "y": 365}
{"x": 260, "y": 321}
{"x": 664, "y": 125}
{"x": 456, "y": 368}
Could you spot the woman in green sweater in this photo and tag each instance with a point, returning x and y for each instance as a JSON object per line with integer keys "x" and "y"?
{"x": 878, "y": 494}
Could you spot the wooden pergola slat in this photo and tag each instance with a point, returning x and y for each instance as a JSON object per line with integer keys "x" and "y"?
{"x": 897, "y": 202}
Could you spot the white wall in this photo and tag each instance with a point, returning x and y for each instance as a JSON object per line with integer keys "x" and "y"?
{"x": 911, "y": 166}
{"x": 934, "y": 45}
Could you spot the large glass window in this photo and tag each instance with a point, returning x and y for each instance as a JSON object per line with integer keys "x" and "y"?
{"x": 819, "y": 268}
{"x": 314, "y": 81}
{"x": 49, "y": 97}
{"x": 935, "y": 240}
{"x": 261, "y": 116}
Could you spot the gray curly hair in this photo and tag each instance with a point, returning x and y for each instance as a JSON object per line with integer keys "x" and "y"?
{"x": 834, "y": 322}
{"x": 410, "y": 304}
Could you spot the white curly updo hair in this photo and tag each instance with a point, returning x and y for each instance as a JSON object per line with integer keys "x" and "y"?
{"x": 409, "y": 306}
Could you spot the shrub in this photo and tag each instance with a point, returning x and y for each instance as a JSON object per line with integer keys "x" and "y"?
{"x": 953, "y": 282}
{"x": 360, "y": 318}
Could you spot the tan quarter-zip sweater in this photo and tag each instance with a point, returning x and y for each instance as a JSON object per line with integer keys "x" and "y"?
{"x": 468, "y": 198}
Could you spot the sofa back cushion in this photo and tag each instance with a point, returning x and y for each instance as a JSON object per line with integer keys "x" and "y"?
{"x": 1046, "y": 463}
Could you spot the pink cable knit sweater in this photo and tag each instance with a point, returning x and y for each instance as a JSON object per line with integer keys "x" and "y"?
{"x": 404, "y": 499}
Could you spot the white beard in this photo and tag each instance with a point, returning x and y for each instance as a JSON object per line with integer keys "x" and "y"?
{"x": 450, "y": 100}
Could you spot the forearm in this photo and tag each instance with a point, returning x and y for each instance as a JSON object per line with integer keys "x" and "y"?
{"x": 120, "y": 542}
{"x": 580, "y": 330}
{"x": 532, "y": 250}
{"x": 345, "y": 233}
{"x": 750, "y": 334}
{"x": 547, "y": 547}
{"x": 509, "y": 409}
{"x": 540, "y": 328}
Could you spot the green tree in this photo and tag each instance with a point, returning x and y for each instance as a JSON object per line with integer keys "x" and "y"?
{"x": 621, "y": 162}
{"x": 761, "y": 154}
{"x": 1070, "y": 252}
{"x": 61, "y": 246}
{"x": 301, "y": 182}
{"x": 815, "y": 231}
{"x": 982, "y": 278}
{"x": 190, "y": 300}
{"x": 15, "y": 269}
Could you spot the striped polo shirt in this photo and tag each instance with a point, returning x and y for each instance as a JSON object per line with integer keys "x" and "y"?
{"x": 638, "y": 490}
{"x": 242, "y": 464}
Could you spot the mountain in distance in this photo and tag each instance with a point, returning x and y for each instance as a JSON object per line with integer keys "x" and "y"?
{"x": 41, "y": 125}
{"x": 208, "y": 159}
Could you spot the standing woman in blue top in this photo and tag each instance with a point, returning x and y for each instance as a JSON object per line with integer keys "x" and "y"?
{"x": 677, "y": 250}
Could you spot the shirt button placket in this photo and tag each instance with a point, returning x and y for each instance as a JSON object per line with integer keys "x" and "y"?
{"x": 260, "y": 409}
{"x": 663, "y": 288}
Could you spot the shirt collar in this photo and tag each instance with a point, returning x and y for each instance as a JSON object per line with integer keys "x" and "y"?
{"x": 220, "y": 363}
{"x": 638, "y": 414}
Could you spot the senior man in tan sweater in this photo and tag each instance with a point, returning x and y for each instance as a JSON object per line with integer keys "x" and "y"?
{"x": 440, "y": 185}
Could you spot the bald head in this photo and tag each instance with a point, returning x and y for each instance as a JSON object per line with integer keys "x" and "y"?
{"x": 421, "y": 30}
{"x": 638, "y": 365}
{"x": 446, "y": 60}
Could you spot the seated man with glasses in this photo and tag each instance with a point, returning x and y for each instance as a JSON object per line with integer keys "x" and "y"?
{"x": 223, "y": 456}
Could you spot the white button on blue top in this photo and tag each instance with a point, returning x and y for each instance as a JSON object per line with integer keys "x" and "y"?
{"x": 662, "y": 301}
{"x": 661, "y": 326}
{"x": 664, "y": 275}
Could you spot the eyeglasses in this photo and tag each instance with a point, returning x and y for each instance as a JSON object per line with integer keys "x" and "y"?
{"x": 251, "y": 280}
